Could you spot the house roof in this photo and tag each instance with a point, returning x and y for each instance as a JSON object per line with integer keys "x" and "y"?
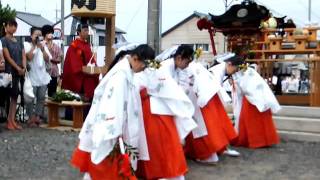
{"x": 97, "y": 26}
{"x": 35, "y": 20}
{"x": 103, "y": 27}
{"x": 194, "y": 14}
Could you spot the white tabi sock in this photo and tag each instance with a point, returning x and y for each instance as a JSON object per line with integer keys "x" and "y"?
{"x": 175, "y": 178}
{"x": 86, "y": 176}
{"x": 212, "y": 159}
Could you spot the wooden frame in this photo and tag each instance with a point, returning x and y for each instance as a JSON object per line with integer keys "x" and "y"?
{"x": 265, "y": 60}
{"x": 77, "y": 113}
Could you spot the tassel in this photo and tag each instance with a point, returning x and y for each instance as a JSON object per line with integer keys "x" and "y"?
{"x": 125, "y": 168}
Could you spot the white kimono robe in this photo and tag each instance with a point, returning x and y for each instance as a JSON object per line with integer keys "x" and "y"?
{"x": 219, "y": 72}
{"x": 167, "y": 98}
{"x": 115, "y": 111}
{"x": 199, "y": 85}
{"x": 251, "y": 85}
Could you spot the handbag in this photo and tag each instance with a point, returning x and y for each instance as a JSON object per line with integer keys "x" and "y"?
{"x": 5, "y": 79}
{"x": 27, "y": 89}
{"x": 48, "y": 67}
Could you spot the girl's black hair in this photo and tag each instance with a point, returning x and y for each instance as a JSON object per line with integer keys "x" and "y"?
{"x": 235, "y": 60}
{"x": 33, "y": 29}
{"x": 10, "y": 22}
{"x": 143, "y": 52}
{"x": 119, "y": 56}
{"x": 47, "y": 29}
{"x": 185, "y": 51}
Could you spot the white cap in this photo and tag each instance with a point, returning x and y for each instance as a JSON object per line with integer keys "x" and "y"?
{"x": 222, "y": 57}
{"x": 166, "y": 54}
{"x": 124, "y": 47}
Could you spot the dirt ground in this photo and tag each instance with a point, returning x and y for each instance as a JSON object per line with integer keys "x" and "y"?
{"x": 42, "y": 154}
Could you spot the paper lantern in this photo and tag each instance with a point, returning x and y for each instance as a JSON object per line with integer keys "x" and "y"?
{"x": 93, "y": 8}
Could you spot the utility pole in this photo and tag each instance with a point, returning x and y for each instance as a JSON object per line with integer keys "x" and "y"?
{"x": 154, "y": 24}
{"x": 57, "y": 12}
{"x": 309, "y": 12}
{"x": 62, "y": 32}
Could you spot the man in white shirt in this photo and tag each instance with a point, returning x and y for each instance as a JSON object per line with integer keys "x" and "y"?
{"x": 37, "y": 55}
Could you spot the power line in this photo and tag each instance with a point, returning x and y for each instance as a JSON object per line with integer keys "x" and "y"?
{"x": 135, "y": 14}
{"x": 313, "y": 13}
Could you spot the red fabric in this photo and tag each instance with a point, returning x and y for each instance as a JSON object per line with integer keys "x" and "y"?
{"x": 106, "y": 170}
{"x": 73, "y": 78}
{"x": 256, "y": 129}
{"x": 166, "y": 154}
{"x": 125, "y": 168}
{"x": 220, "y": 132}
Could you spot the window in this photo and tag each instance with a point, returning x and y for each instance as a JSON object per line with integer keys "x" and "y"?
{"x": 102, "y": 41}
{"x": 191, "y": 45}
{"x": 204, "y": 47}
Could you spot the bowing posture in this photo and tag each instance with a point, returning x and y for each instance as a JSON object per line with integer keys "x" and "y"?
{"x": 215, "y": 130}
{"x": 115, "y": 122}
{"x": 253, "y": 103}
{"x": 167, "y": 115}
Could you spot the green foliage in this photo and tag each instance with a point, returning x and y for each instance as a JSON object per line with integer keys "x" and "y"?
{"x": 6, "y": 13}
{"x": 64, "y": 96}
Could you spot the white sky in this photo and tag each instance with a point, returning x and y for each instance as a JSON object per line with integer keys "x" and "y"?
{"x": 131, "y": 15}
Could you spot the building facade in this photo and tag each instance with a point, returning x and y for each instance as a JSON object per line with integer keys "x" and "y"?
{"x": 187, "y": 32}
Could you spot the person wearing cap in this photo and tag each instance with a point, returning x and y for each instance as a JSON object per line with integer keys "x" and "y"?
{"x": 115, "y": 117}
{"x": 79, "y": 54}
{"x": 38, "y": 56}
{"x": 215, "y": 130}
{"x": 56, "y": 53}
{"x": 253, "y": 103}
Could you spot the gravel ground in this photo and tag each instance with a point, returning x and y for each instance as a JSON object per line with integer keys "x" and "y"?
{"x": 44, "y": 154}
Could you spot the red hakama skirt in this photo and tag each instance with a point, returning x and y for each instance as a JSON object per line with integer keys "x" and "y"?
{"x": 109, "y": 168}
{"x": 256, "y": 129}
{"x": 166, "y": 154}
{"x": 220, "y": 132}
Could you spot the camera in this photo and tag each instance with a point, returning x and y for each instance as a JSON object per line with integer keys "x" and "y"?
{"x": 39, "y": 39}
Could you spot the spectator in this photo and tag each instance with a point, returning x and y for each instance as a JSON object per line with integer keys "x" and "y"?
{"x": 1, "y": 70}
{"x": 1, "y": 58}
{"x": 304, "y": 85}
{"x": 15, "y": 58}
{"x": 293, "y": 84}
{"x": 56, "y": 52}
{"x": 284, "y": 84}
{"x": 5, "y": 81}
{"x": 78, "y": 55}
{"x": 38, "y": 55}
